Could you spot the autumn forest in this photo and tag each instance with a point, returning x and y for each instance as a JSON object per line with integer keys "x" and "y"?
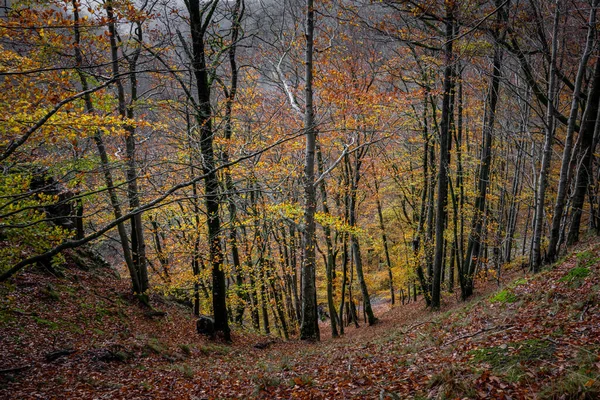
{"x": 300, "y": 177}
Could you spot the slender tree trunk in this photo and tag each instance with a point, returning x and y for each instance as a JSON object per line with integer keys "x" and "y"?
{"x": 442, "y": 198}
{"x": 138, "y": 247}
{"x": 474, "y": 245}
{"x": 385, "y": 241}
{"x": 104, "y": 161}
{"x": 354, "y": 180}
{"x": 536, "y": 259}
{"x": 330, "y": 260}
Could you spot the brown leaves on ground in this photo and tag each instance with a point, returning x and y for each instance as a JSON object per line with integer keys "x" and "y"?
{"x": 537, "y": 337}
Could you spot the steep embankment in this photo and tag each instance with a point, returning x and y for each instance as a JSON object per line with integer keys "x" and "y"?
{"x": 537, "y": 337}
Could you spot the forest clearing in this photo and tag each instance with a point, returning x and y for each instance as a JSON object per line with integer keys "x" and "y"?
{"x": 299, "y": 199}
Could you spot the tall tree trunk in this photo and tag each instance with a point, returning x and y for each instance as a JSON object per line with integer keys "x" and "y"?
{"x": 565, "y": 170}
{"x": 330, "y": 260}
{"x": 309, "y": 329}
{"x": 536, "y": 259}
{"x": 586, "y": 146}
{"x": 385, "y": 241}
{"x": 199, "y": 18}
{"x": 237, "y": 15}
{"x": 442, "y": 199}
{"x": 354, "y": 240}
{"x": 138, "y": 247}
{"x": 474, "y": 245}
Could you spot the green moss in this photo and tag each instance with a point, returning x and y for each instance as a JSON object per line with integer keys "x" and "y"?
{"x": 504, "y": 296}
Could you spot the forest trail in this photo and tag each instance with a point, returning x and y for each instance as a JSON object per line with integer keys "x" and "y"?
{"x": 536, "y": 337}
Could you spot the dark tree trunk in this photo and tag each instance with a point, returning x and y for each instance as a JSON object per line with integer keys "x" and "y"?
{"x": 565, "y": 170}
{"x": 587, "y": 146}
{"x": 199, "y": 15}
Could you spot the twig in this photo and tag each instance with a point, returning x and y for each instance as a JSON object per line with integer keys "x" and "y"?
{"x": 479, "y": 332}
{"x": 587, "y": 305}
{"x": 15, "y": 369}
{"x": 410, "y": 328}
{"x": 103, "y": 297}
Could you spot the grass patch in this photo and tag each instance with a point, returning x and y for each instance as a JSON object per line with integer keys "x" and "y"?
{"x": 574, "y": 385}
{"x": 44, "y": 322}
{"x": 520, "y": 281}
{"x": 452, "y": 384}
{"x": 6, "y": 316}
{"x": 576, "y": 275}
{"x": 185, "y": 370}
{"x": 186, "y": 349}
{"x": 509, "y": 357}
{"x": 504, "y": 296}
{"x": 156, "y": 346}
{"x": 214, "y": 349}
{"x": 587, "y": 258}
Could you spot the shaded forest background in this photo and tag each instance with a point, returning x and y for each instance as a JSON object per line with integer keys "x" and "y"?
{"x": 268, "y": 163}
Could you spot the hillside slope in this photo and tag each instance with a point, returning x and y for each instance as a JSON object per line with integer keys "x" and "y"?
{"x": 83, "y": 336}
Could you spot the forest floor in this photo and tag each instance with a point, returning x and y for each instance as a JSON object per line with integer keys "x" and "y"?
{"x": 84, "y": 337}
